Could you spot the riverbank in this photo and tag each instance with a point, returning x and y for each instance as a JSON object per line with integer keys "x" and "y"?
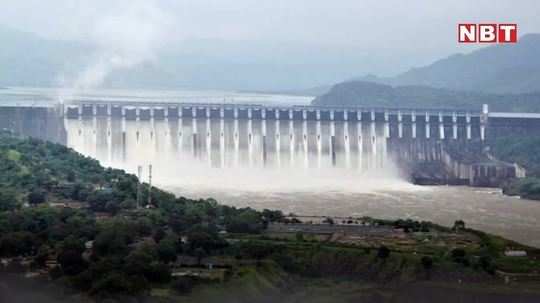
{"x": 263, "y": 285}
{"x": 484, "y": 209}
{"x": 371, "y": 260}
{"x": 526, "y": 188}
{"x": 330, "y": 261}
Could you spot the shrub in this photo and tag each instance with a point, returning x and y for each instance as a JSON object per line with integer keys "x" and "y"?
{"x": 383, "y": 252}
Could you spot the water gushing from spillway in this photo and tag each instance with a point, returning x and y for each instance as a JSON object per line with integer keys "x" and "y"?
{"x": 243, "y": 154}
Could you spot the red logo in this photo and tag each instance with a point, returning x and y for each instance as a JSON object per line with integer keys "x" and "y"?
{"x": 487, "y": 33}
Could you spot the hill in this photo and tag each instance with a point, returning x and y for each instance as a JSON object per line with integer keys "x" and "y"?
{"x": 511, "y": 68}
{"x": 524, "y": 150}
{"x": 63, "y": 215}
{"x": 362, "y": 93}
{"x": 100, "y": 246}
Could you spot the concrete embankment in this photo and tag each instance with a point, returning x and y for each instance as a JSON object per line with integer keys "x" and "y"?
{"x": 437, "y": 162}
{"x": 38, "y": 122}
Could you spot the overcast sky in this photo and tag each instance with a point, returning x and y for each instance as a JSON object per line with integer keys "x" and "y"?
{"x": 394, "y": 35}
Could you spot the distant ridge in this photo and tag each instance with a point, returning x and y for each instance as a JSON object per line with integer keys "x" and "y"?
{"x": 362, "y": 93}
{"x": 313, "y": 91}
{"x": 507, "y": 77}
{"x": 503, "y": 68}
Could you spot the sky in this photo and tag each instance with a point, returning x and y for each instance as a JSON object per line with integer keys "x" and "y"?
{"x": 349, "y": 37}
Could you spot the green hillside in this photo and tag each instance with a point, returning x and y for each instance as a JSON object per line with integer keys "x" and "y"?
{"x": 497, "y": 69}
{"x": 361, "y": 93}
{"x": 73, "y": 224}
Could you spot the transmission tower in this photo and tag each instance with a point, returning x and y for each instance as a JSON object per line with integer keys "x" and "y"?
{"x": 149, "y": 184}
{"x": 139, "y": 182}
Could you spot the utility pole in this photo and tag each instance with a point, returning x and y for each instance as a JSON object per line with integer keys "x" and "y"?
{"x": 139, "y": 176}
{"x": 149, "y": 184}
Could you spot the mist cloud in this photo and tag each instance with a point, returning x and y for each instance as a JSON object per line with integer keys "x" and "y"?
{"x": 270, "y": 44}
{"x": 125, "y": 37}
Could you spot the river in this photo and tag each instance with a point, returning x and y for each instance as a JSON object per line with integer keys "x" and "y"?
{"x": 483, "y": 209}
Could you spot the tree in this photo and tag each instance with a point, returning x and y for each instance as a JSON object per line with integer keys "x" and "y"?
{"x": 459, "y": 256}
{"x": 159, "y": 234}
{"x": 73, "y": 243}
{"x": 72, "y": 262}
{"x": 248, "y": 221}
{"x": 257, "y": 251}
{"x": 427, "y": 262}
{"x": 142, "y": 261}
{"x": 487, "y": 264}
{"x": 113, "y": 240}
{"x": 328, "y": 220}
{"x": 183, "y": 285}
{"x": 383, "y": 252}
{"x": 159, "y": 273}
{"x": 200, "y": 253}
{"x": 458, "y": 253}
{"x": 272, "y": 215}
{"x": 8, "y": 199}
{"x": 459, "y": 225}
{"x": 71, "y": 176}
{"x": 167, "y": 248}
{"x": 102, "y": 200}
{"x": 42, "y": 255}
{"x": 118, "y": 282}
{"x": 204, "y": 240}
{"x": 18, "y": 244}
{"x": 112, "y": 207}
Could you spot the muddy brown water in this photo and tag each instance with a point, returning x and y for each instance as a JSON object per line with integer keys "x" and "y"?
{"x": 483, "y": 209}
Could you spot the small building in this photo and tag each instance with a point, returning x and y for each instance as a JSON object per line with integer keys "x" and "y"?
{"x": 515, "y": 253}
{"x": 89, "y": 244}
{"x": 492, "y": 173}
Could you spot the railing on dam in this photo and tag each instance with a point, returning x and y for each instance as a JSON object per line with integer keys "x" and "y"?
{"x": 309, "y": 112}
{"x": 437, "y": 123}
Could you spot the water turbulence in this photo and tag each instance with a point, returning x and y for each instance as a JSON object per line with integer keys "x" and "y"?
{"x": 243, "y": 154}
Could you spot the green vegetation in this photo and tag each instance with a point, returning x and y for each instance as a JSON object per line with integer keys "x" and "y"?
{"x": 528, "y": 188}
{"x": 126, "y": 249}
{"x": 65, "y": 216}
{"x": 524, "y": 151}
{"x": 494, "y": 69}
{"x": 370, "y": 94}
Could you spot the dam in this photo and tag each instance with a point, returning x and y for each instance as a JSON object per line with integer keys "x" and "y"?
{"x": 257, "y": 136}
{"x": 194, "y": 136}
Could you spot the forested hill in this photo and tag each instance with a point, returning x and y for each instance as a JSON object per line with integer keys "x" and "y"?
{"x": 499, "y": 69}
{"x": 362, "y": 93}
{"x": 39, "y": 172}
{"x": 54, "y": 203}
{"x": 70, "y": 222}
{"x": 507, "y": 77}
{"x": 526, "y": 152}
{"x": 34, "y": 172}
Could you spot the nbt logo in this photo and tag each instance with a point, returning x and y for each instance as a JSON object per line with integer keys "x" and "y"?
{"x": 487, "y": 33}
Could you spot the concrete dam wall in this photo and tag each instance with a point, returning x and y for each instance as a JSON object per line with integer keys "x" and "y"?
{"x": 39, "y": 122}
{"x": 452, "y": 162}
{"x": 426, "y": 146}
